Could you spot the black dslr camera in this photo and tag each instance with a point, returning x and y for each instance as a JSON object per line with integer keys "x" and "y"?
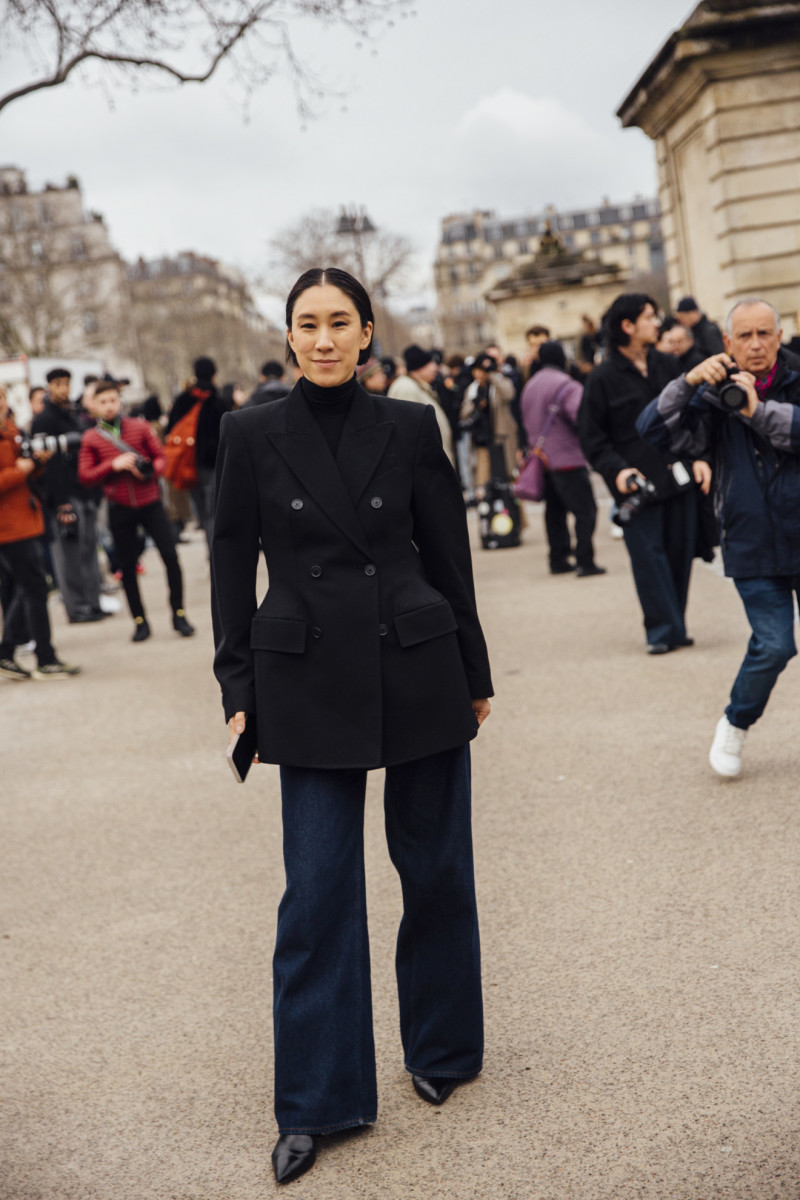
{"x": 633, "y": 503}
{"x": 732, "y": 395}
{"x": 145, "y": 467}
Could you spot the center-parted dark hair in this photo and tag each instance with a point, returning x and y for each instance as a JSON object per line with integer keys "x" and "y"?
{"x": 345, "y": 282}
{"x": 627, "y": 307}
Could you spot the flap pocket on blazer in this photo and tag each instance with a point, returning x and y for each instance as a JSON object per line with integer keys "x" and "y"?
{"x": 275, "y": 633}
{"x": 422, "y": 624}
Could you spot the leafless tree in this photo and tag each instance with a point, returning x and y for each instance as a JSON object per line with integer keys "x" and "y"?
{"x": 51, "y": 304}
{"x": 380, "y": 258}
{"x": 184, "y": 41}
{"x": 323, "y": 238}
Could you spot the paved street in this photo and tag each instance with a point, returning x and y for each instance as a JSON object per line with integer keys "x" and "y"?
{"x": 639, "y": 922}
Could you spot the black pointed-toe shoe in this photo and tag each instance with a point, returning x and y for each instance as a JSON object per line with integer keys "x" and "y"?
{"x": 294, "y": 1154}
{"x": 434, "y": 1090}
{"x": 181, "y": 625}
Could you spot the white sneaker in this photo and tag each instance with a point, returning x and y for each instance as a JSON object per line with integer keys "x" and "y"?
{"x": 725, "y": 754}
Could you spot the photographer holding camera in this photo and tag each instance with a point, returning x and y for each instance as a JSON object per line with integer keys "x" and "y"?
{"x": 655, "y": 495}
{"x": 21, "y": 558}
{"x": 125, "y": 456}
{"x": 743, "y": 408}
{"x": 72, "y": 509}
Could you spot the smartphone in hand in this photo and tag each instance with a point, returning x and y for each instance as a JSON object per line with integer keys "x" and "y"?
{"x": 242, "y": 749}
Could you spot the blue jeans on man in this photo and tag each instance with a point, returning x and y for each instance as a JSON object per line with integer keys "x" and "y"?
{"x": 769, "y": 604}
{"x": 324, "y": 1051}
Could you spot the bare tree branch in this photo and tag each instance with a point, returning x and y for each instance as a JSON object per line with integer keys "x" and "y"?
{"x": 168, "y": 36}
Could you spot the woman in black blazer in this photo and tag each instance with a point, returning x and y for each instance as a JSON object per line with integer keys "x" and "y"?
{"x": 365, "y": 652}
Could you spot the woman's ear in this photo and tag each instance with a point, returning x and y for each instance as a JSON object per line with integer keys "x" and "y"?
{"x": 366, "y": 334}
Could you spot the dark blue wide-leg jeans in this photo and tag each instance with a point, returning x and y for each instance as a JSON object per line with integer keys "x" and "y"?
{"x": 324, "y": 1050}
{"x": 769, "y": 604}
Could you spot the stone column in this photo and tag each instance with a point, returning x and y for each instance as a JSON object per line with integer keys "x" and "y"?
{"x": 721, "y": 101}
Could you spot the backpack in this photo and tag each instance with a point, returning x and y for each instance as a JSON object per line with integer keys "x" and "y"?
{"x": 179, "y": 451}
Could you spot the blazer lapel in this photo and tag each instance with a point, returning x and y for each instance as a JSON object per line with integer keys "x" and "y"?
{"x": 304, "y": 449}
{"x": 362, "y": 445}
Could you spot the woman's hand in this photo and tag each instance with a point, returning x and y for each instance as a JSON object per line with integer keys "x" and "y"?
{"x": 236, "y": 725}
{"x": 481, "y": 708}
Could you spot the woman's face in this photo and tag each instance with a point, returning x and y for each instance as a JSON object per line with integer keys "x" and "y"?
{"x": 327, "y": 335}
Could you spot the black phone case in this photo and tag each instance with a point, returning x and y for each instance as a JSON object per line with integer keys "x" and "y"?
{"x": 245, "y": 748}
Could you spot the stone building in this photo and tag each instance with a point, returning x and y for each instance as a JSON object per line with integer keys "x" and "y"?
{"x": 478, "y": 252}
{"x": 553, "y": 289}
{"x": 190, "y": 305}
{"x": 721, "y": 100}
{"x": 62, "y": 283}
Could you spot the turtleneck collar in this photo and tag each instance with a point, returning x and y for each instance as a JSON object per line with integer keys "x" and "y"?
{"x": 339, "y": 397}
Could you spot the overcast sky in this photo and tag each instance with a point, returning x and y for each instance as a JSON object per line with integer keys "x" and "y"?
{"x": 469, "y": 104}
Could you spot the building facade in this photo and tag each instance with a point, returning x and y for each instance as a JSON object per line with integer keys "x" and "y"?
{"x": 721, "y": 101}
{"x": 192, "y": 305}
{"x": 62, "y": 283}
{"x": 479, "y": 251}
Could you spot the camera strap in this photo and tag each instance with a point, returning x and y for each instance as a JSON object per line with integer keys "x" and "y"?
{"x": 118, "y": 442}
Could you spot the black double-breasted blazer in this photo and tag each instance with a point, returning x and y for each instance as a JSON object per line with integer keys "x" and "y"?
{"x": 366, "y": 649}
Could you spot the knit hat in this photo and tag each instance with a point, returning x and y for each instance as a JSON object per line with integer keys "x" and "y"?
{"x": 551, "y": 354}
{"x": 369, "y": 368}
{"x": 416, "y": 358}
{"x": 204, "y": 369}
{"x": 687, "y": 304}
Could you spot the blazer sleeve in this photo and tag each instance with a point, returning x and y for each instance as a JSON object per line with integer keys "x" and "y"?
{"x": 234, "y": 563}
{"x": 594, "y": 432}
{"x": 442, "y": 538}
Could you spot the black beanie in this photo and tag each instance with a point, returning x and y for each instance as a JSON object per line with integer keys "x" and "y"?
{"x": 204, "y": 370}
{"x": 551, "y": 354}
{"x": 415, "y": 357}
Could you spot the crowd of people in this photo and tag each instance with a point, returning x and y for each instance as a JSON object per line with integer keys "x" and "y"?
{"x": 99, "y": 480}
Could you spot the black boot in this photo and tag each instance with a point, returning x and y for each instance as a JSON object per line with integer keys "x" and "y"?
{"x": 436, "y": 1089}
{"x": 180, "y": 624}
{"x": 294, "y": 1154}
{"x": 142, "y": 630}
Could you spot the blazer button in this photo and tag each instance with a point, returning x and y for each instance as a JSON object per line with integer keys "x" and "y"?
{"x": 376, "y": 502}
{"x": 370, "y": 569}
{"x": 297, "y": 505}
{"x": 316, "y": 572}
{"x": 383, "y": 630}
{"x": 316, "y": 632}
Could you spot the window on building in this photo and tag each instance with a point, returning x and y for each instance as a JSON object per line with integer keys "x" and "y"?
{"x": 78, "y": 248}
{"x": 37, "y": 250}
{"x": 44, "y": 215}
{"x": 657, "y": 257}
{"x": 596, "y": 237}
{"x": 90, "y": 322}
{"x": 498, "y": 251}
{"x": 625, "y": 214}
{"x": 565, "y": 223}
{"x": 522, "y": 247}
{"x": 593, "y": 218}
{"x": 453, "y": 275}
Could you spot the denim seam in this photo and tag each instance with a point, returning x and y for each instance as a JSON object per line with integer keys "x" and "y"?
{"x": 352, "y": 1124}
{"x": 425, "y": 1074}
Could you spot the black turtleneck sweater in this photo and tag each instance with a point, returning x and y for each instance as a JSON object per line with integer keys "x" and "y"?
{"x": 330, "y": 406}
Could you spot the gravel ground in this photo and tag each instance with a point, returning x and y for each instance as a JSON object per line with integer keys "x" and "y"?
{"x": 639, "y": 922}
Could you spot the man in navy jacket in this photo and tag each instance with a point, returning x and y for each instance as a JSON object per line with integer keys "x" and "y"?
{"x": 755, "y": 457}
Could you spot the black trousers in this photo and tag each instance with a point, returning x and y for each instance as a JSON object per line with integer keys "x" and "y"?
{"x": 23, "y": 563}
{"x": 124, "y": 524}
{"x": 569, "y": 492}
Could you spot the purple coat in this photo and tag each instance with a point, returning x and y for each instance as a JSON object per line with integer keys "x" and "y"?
{"x": 561, "y": 445}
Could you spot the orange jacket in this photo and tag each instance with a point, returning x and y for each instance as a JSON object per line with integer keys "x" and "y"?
{"x": 20, "y": 511}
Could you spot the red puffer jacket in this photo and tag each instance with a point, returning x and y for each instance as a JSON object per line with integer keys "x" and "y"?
{"x": 120, "y": 487}
{"x": 20, "y": 511}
